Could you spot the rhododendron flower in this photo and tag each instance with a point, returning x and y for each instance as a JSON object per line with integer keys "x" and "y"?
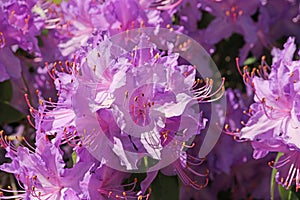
{"x": 42, "y": 173}
{"x": 126, "y": 105}
{"x": 276, "y": 19}
{"x": 84, "y": 21}
{"x": 142, "y": 100}
{"x": 106, "y": 183}
{"x": 273, "y": 125}
{"x": 230, "y": 163}
{"x": 231, "y": 16}
{"x": 19, "y": 26}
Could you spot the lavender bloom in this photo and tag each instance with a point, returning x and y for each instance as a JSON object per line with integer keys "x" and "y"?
{"x": 276, "y": 19}
{"x": 229, "y": 163}
{"x": 19, "y": 24}
{"x": 284, "y": 18}
{"x": 133, "y": 106}
{"x": 160, "y": 5}
{"x": 231, "y": 16}
{"x": 18, "y": 27}
{"x": 138, "y": 104}
{"x": 87, "y": 20}
{"x": 188, "y": 165}
{"x": 42, "y": 173}
{"x": 56, "y": 118}
{"x": 106, "y": 183}
{"x": 189, "y": 14}
{"x": 273, "y": 125}
{"x": 34, "y": 74}
{"x": 77, "y": 26}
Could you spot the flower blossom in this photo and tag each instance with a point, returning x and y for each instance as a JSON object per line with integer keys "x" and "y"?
{"x": 276, "y": 19}
{"x": 81, "y": 24}
{"x": 231, "y": 16}
{"x": 106, "y": 183}
{"x": 274, "y": 117}
{"x": 229, "y": 163}
{"x": 19, "y": 26}
{"x": 141, "y": 103}
{"x": 42, "y": 173}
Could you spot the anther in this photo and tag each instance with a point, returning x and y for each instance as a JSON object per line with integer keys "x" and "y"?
{"x": 226, "y": 126}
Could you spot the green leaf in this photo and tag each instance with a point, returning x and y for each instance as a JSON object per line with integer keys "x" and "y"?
{"x": 45, "y": 32}
{"x": 273, "y": 181}
{"x": 283, "y": 192}
{"x": 165, "y": 188}
{"x": 9, "y": 114}
{"x": 74, "y": 157}
{"x": 250, "y": 61}
{"x": 6, "y": 91}
{"x": 57, "y": 1}
{"x": 286, "y": 194}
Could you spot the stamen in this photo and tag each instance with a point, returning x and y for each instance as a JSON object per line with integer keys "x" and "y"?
{"x": 2, "y": 40}
{"x": 293, "y": 172}
{"x": 165, "y": 4}
{"x": 128, "y": 194}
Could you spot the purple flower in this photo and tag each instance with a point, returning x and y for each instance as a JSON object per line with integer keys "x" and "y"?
{"x": 79, "y": 20}
{"x": 104, "y": 182}
{"x": 231, "y": 16}
{"x": 34, "y": 73}
{"x": 56, "y": 118}
{"x": 43, "y": 173}
{"x": 273, "y": 125}
{"x": 284, "y": 18}
{"x": 276, "y": 19}
{"x": 230, "y": 164}
{"x": 189, "y": 13}
{"x": 187, "y": 165}
{"x": 19, "y": 27}
{"x": 82, "y": 21}
{"x": 140, "y": 103}
{"x": 19, "y": 24}
{"x": 129, "y": 109}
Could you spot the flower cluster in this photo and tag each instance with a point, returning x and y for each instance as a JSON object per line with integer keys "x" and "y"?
{"x": 274, "y": 119}
{"x": 125, "y": 109}
{"x": 19, "y": 26}
{"x": 109, "y": 99}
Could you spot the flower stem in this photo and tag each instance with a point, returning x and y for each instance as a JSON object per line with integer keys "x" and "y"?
{"x": 273, "y": 181}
